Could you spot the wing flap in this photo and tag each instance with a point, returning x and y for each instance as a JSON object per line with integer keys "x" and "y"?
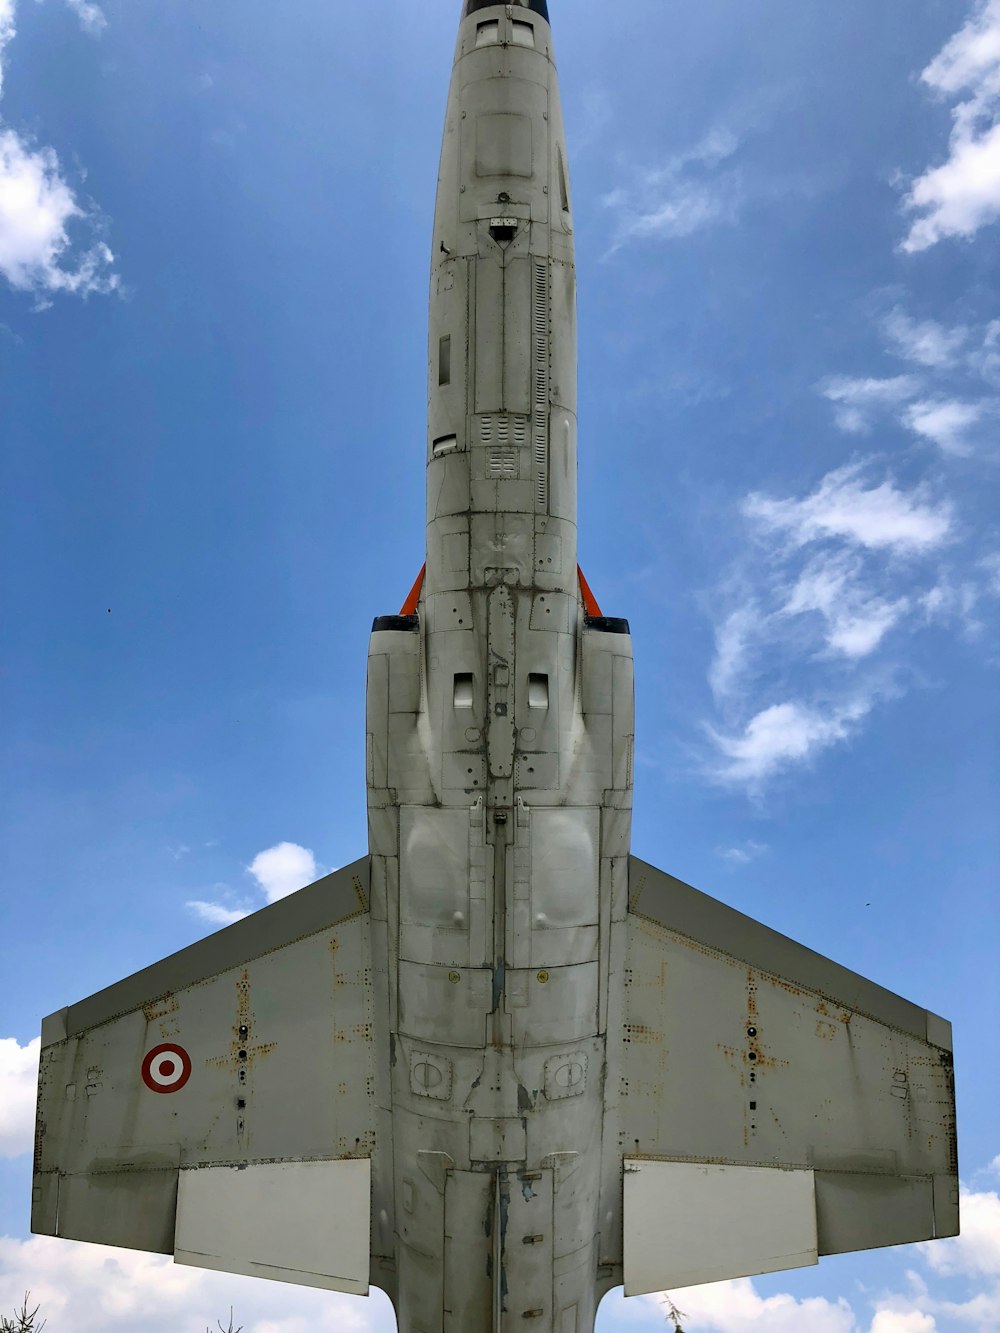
{"x": 301, "y": 1222}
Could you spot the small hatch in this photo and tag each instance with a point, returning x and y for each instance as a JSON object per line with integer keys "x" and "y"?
{"x": 521, "y": 33}
{"x": 445, "y": 444}
{"x": 487, "y": 33}
{"x": 463, "y": 689}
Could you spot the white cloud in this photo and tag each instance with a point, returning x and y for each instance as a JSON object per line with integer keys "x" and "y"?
{"x": 743, "y": 854}
{"x": 37, "y": 211}
{"x": 8, "y": 30}
{"x": 682, "y": 196}
{"x": 91, "y": 16}
{"x": 856, "y": 618}
{"x": 963, "y": 194}
{"x": 18, "y": 1090}
{"x": 890, "y": 1321}
{"x": 924, "y": 341}
{"x": 946, "y": 422}
{"x": 843, "y": 506}
{"x": 734, "y": 638}
{"x": 95, "y": 1289}
{"x": 49, "y": 242}
{"x": 737, "y": 1307}
{"x": 215, "y": 914}
{"x": 857, "y": 401}
{"x": 976, "y": 1252}
{"x": 282, "y": 869}
{"x": 782, "y": 736}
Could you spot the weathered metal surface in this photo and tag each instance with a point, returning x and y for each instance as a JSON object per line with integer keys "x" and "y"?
{"x": 687, "y": 1223}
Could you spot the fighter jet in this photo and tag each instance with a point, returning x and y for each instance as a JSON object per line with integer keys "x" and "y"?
{"x": 498, "y": 1066}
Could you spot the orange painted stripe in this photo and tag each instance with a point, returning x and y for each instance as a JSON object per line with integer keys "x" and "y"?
{"x": 589, "y": 600}
{"x": 410, "y": 605}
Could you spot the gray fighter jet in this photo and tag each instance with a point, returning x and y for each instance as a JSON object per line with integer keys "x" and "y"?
{"x": 498, "y": 1066}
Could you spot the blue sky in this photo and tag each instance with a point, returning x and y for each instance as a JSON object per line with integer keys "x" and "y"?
{"x": 214, "y": 243}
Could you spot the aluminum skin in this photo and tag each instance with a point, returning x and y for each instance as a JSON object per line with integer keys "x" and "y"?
{"x": 525, "y": 1065}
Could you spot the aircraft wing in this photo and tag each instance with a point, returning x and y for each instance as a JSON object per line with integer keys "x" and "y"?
{"x": 221, "y": 1106}
{"x": 772, "y": 1106}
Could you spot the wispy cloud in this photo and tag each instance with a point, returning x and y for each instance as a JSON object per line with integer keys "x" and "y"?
{"x": 782, "y": 736}
{"x": 810, "y": 626}
{"x": 683, "y": 195}
{"x": 49, "y": 241}
{"x": 847, "y": 506}
{"x": 856, "y": 618}
{"x": 18, "y": 1087}
{"x": 217, "y": 914}
{"x": 91, "y": 16}
{"x": 948, "y": 423}
{"x": 858, "y": 402}
{"x": 925, "y": 342}
{"x": 962, "y": 195}
{"x": 743, "y": 854}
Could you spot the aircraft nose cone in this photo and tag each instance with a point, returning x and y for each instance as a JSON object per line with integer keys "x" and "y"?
{"x": 540, "y": 7}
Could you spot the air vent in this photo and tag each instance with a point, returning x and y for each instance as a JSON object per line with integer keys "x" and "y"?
{"x": 538, "y": 690}
{"x": 463, "y": 689}
{"x": 445, "y": 444}
{"x": 503, "y": 230}
{"x": 444, "y": 360}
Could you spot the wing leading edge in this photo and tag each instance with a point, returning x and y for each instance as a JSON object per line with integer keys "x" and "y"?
{"x": 221, "y": 1106}
{"x": 769, "y": 1093}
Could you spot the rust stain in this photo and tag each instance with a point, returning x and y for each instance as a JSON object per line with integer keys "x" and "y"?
{"x": 167, "y": 1004}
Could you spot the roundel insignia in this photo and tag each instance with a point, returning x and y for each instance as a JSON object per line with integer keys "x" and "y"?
{"x": 166, "y": 1068}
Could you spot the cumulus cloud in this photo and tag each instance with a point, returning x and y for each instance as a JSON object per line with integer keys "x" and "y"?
{"x": 282, "y": 869}
{"x": 96, "y": 1289}
{"x": 962, "y": 195}
{"x": 859, "y": 401}
{"x": 847, "y": 506}
{"x": 946, "y": 423}
{"x": 49, "y": 241}
{"x": 976, "y": 1252}
{"x": 278, "y": 871}
{"x": 18, "y": 1088}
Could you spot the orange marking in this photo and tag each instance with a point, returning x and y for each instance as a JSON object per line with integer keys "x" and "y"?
{"x": 410, "y": 605}
{"x": 589, "y": 600}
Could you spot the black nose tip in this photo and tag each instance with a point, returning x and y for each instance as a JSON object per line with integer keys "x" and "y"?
{"x": 537, "y": 6}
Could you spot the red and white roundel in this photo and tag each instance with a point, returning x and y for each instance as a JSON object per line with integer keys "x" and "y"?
{"x": 166, "y": 1068}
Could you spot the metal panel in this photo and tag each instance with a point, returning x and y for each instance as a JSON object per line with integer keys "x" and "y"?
{"x": 863, "y": 1212}
{"x": 689, "y": 1223}
{"x": 468, "y": 1251}
{"x": 303, "y": 1222}
{"x": 334, "y": 898}
{"x": 678, "y": 906}
{"x": 564, "y": 878}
